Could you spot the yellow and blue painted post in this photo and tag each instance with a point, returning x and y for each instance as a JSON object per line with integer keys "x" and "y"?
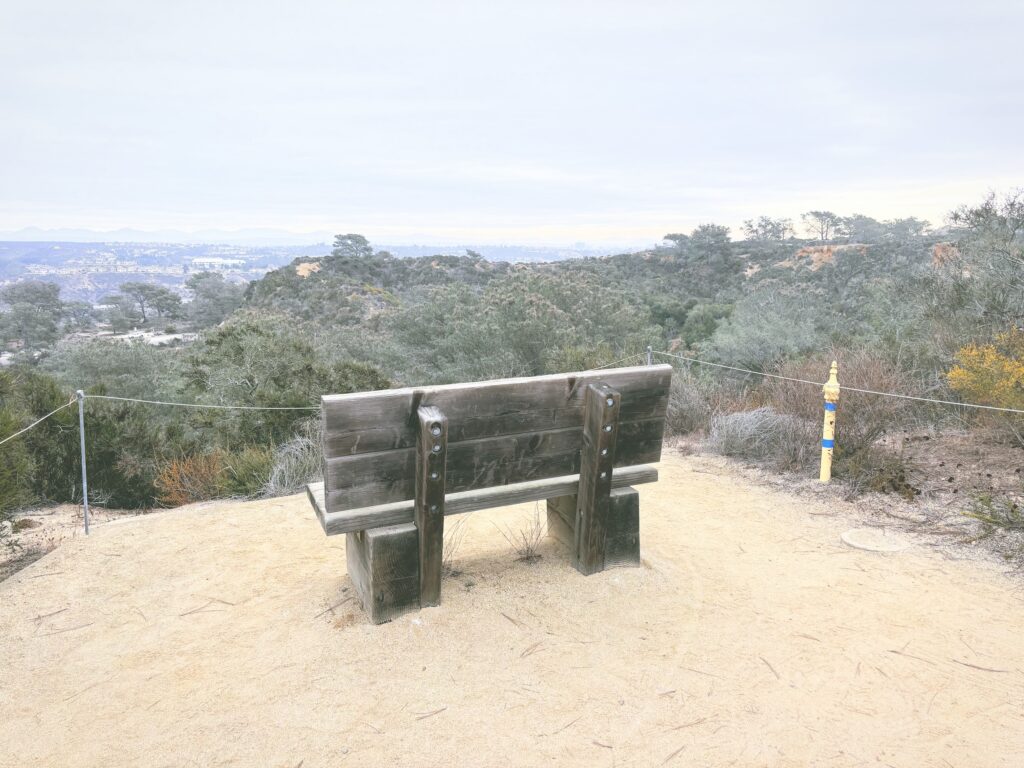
{"x": 828, "y": 436}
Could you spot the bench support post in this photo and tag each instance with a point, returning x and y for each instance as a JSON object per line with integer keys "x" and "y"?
{"x": 622, "y": 526}
{"x": 431, "y": 453}
{"x": 600, "y": 431}
{"x": 384, "y": 567}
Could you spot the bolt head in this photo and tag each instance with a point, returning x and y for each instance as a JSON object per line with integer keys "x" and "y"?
{"x": 607, "y": 427}
{"x": 604, "y": 451}
{"x": 434, "y": 475}
{"x": 436, "y": 448}
{"x": 603, "y": 475}
{"x": 610, "y": 402}
{"x": 435, "y": 430}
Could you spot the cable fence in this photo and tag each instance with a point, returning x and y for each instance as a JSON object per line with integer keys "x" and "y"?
{"x": 646, "y": 356}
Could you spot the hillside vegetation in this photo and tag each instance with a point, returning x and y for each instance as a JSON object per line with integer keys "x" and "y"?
{"x": 933, "y": 313}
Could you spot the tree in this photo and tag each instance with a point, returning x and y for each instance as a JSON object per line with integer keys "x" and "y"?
{"x": 264, "y": 360}
{"x": 33, "y": 315}
{"x": 121, "y": 312}
{"x": 149, "y": 296}
{"x": 117, "y": 366}
{"x": 862, "y": 229}
{"x": 702, "y": 321}
{"x": 767, "y": 229}
{"x": 904, "y": 229}
{"x": 352, "y": 246}
{"x": 678, "y": 241}
{"x": 822, "y": 224}
{"x": 167, "y": 304}
{"x": 710, "y": 244}
{"x": 213, "y": 298}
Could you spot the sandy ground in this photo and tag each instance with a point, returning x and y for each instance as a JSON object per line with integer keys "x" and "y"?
{"x": 226, "y": 634}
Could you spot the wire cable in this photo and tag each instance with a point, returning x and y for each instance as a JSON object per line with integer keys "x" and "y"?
{"x": 616, "y": 362}
{"x": 37, "y": 421}
{"x": 205, "y": 405}
{"x": 844, "y": 388}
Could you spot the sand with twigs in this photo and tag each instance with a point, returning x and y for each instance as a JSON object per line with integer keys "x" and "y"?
{"x": 226, "y": 634}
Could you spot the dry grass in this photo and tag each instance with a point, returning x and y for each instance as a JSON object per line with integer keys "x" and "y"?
{"x": 782, "y": 440}
{"x": 525, "y": 541}
{"x": 453, "y": 537}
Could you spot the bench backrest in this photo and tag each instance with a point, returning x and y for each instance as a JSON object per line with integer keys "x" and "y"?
{"x": 499, "y": 432}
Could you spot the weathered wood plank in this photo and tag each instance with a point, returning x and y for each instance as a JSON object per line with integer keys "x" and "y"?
{"x": 622, "y": 526}
{"x": 561, "y": 513}
{"x": 383, "y": 564}
{"x": 467, "y": 501}
{"x": 600, "y": 434}
{"x": 379, "y": 478}
{"x": 431, "y": 458}
{"x": 366, "y": 422}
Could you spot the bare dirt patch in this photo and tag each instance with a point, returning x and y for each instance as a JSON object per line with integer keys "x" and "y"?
{"x": 228, "y": 634}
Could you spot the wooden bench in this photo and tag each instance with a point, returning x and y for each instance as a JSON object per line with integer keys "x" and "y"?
{"x": 397, "y": 461}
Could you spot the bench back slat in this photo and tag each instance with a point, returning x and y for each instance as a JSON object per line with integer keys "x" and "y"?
{"x": 499, "y": 432}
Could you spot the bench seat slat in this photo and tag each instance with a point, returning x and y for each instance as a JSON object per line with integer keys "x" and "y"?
{"x": 465, "y": 501}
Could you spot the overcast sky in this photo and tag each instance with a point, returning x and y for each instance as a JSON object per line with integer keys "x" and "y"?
{"x": 486, "y": 122}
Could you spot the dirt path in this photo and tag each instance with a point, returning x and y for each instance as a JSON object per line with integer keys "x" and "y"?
{"x": 226, "y": 634}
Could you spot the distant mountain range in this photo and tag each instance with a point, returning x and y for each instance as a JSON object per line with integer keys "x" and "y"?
{"x": 268, "y": 237}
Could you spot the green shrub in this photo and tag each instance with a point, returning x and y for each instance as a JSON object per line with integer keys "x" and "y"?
{"x": 246, "y": 472}
{"x": 16, "y": 468}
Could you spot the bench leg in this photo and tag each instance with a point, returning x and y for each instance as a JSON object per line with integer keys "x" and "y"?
{"x": 622, "y": 528}
{"x": 384, "y": 566}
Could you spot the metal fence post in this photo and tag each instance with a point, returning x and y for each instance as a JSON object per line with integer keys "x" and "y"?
{"x": 81, "y": 434}
{"x": 828, "y": 435}
{"x": 650, "y": 355}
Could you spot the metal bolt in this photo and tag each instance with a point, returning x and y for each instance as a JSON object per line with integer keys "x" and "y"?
{"x": 608, "y": 428}
{"x": 435, "y": 430}
{"x": 436, "y": 448}
{"x": 610, "y": 402}
{"x": 433, "y": 507}
{"x": 434, "y": 475}
{"x": 604, "y": 475}
{"x": 604, "y": 451}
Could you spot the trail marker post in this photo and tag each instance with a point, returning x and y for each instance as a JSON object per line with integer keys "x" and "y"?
{"x": 650, "y": 355}
{"x": 81, "y": 439}
{"x": 828, "y": 436}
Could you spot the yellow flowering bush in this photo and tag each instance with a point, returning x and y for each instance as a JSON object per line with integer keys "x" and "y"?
{"x": 992, "y": 374}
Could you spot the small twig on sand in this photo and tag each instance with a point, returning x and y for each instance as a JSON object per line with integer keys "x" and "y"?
{"x": 762, "y": 658}
{"x": 571, "y": 722}
{"x": 911, "y": 656}
{"x": 531, "y": 650}
{"x": 67, "y": 629}
{"x": 40, "y": 575}
{"x": 514, "y": 621}
{"x": 975, "y": 666}
{"x": 425, "y": 715}
{"x": 597, "y": 743}
{"x": 42, "y": 616}
{"x": 199, "y": 609}
{"x": 706, "y": 674}
{"x": 331, "y": 609}
{"x": 667, "y": 759}
{"x": 87, "y": 688}
{"x": 688, "y": 725}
